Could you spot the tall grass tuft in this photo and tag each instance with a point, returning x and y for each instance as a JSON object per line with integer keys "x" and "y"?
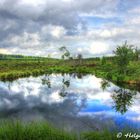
{"x": 16, "y": 130}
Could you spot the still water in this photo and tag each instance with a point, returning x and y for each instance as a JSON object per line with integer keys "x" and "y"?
{"x": 71, "y": 102}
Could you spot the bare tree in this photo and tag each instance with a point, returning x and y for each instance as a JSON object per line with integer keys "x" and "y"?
{"x": 66, "y": 53}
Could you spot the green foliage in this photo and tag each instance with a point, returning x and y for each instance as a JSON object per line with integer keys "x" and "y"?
{"x": 109, "y": 76}
{"x": 124, "y": 54}
{"x": 103, "y": 60}
{"x": 137, "y": 54}
{"x": 120, "y": 78}
{"x": 15, "y": 68}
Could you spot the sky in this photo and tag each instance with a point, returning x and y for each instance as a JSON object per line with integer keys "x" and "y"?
{"x": 93, "y": 28}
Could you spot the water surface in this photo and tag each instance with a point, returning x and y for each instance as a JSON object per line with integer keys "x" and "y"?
{"x": 72, "y": 102}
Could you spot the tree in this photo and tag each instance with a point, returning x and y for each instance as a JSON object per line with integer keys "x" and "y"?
{"x": 137, "y": 54}
{"x": 124, "y": 54}
{"x": 103, "y": 60}
{"x": 79, "y": 57}
{"x": 66, "y": 53}
{"x": 49, "y": 55}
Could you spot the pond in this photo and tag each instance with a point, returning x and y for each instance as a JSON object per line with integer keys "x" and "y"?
{"x": 71, "y": 102}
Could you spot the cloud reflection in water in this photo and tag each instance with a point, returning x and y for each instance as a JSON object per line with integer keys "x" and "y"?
{"x": 69, "y": 102}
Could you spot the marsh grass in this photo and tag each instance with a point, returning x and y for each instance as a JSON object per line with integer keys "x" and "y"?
{"x": 13, "y": 69}
{"x": 16, "y": 130}
{"x": 10, "y": 130}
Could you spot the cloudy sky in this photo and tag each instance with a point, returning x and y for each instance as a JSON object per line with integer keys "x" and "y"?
{"x": 90, "y": 27}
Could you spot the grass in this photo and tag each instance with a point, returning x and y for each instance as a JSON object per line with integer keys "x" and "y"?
{"x": 106, "y": 135}
{"x": 16, "y": 130}
{"x": 10, "y": 130}
{"x": 12, "y": 69}
{"x": 16, "y": 68}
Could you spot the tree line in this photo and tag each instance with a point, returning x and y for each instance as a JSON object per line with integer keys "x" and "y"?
{"x": 122, "y": 56}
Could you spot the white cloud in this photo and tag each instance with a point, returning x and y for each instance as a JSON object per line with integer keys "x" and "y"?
{"x": 134, "y": 11}
{"x": 4, "y": 51}
{"x": 98, "y": 48}
{"x": 136, "y": 119}
{"x": 90, "y": 27}
{"x": 58, "y": 32}
{"x": 54, "y": 31}
{"x": 134, "y": 20}
{"x": 106, "y": 33}
{"x": 67, "y": 1}
{"x": 33, "y": 2}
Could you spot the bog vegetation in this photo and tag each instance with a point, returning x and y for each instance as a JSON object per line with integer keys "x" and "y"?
{"x": 123, "y": 67}
{"x": 16, "y": 130}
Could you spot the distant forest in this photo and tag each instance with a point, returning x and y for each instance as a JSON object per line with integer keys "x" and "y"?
{"x": 7, "y": 56}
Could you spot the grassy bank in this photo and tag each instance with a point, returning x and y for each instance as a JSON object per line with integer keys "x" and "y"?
{"x": 10, "y": 130}
{"x": 13, "y": 69}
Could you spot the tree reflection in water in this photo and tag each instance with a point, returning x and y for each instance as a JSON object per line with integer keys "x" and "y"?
{"x": 65, "y": 85}
{"x": 65, "y": 82}
{"x": 104, "y": 84}
{"x": 77, "y": 75}
{"x": 67, "y": 101}
{"x": 46, "y": 81}
{"x": 123, "y": 99}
